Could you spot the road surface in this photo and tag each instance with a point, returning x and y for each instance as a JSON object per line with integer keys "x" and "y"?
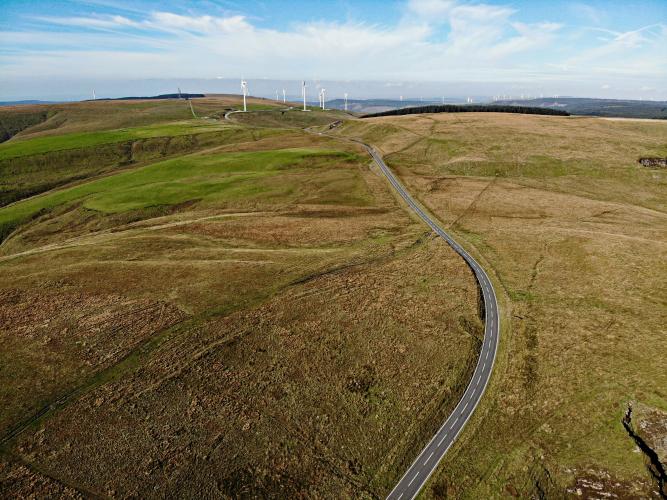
{"x": 424, "y": 465}
{"x": 426, "y": 462}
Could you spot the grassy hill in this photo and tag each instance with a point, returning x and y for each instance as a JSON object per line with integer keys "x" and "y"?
{"x": 223, "y": 307}
{"x": 573, "y": 230}
{"x": 71, "y": 142}
{"x": 253, "y": 312}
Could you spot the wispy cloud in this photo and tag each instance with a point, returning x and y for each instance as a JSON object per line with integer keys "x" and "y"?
{"x": 433, "y": 40}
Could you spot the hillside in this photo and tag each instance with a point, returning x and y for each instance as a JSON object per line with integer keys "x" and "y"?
{"x": 573, "y": 105}
{"x": 597, "y": 107}
{"x": 245, "y": 308}
{"x": 573, "y": 229}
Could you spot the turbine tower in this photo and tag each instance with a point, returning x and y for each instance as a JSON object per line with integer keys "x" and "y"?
{"x": 284, "y": 99}
{"x": 345, "y": 101}
{"x": 244, "y": 89}
{"x": 94, "y": 96}
{"x": 322, "y": 93}
{"x": 303, "y": 93}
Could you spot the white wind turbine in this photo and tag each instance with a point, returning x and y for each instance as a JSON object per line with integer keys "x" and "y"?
{"x": 94, "y": 96}
{"x": 303, "y": 94}
{"x": 284, "y": 98}
{"x": 244, "y": 89}
{"x": 322, "y": 95}
{"x": 345, "y": 101}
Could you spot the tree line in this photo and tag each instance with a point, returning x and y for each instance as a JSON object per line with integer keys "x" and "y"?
{"x": 470, "y": 108}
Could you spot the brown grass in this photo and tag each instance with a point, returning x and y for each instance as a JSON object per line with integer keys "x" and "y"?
{"x": 323, "y": 390}
{"x": 574, "y": 231}
{"x": 318, "y": 338}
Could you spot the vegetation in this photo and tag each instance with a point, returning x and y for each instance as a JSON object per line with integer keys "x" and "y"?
{"x": 470, "y": 108}
{"x": 79, "y": 141}
{"x": 600, "y": 107}
{"x": 262, "y": 316}
{"x": 259, "y": 316}
{"x": 573, "y": 230}
{"x": 13, "y": 123}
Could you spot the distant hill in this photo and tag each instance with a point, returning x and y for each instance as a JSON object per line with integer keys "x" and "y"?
{"x": 18, "y": 103}
{"x": 597, "y": 107}
{"x": 573, "y": 105}
{"x": 161, "y": 96}
{"x": 471, "y": 108}
{"x": 367, "y": 106}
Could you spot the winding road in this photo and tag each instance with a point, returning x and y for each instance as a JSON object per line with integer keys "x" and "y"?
{"x": 429, "y": 458}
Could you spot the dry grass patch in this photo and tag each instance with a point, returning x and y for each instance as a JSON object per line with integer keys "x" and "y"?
{"x": 575, "y": 232}
{"x": 52, "y": 338}
{"x": 327, "y": 390}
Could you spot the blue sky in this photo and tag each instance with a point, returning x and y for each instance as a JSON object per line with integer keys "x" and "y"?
{"x": 608, "y": 49}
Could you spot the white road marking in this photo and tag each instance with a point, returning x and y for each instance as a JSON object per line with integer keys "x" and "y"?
{"x": 491, "y": 323}
{"x": 400, "y": 496}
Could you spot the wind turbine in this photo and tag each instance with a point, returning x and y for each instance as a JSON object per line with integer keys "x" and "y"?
{"x": 345, "y": 101}
{"x": 276, "y": 95}
{"x": 94, "y": 96}
{"x": 244, "y": 89}
{"x": 303, "y": 93}
{"x": 179, "y": 92}
{"x": 322, "y": 93}
{"x": 284, "y": 99}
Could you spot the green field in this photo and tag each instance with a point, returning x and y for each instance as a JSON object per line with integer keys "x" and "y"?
{"x": 40, "y": 145}
{"x": 221, "y": 177}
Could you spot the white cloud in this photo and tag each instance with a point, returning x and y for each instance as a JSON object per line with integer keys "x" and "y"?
{"x": 430, "y": 9}
{"x": 201, "y": 24}
{"x": 587, "y": 13}
{"x": 435, "y": 40}
{"x": 97, "y": 22}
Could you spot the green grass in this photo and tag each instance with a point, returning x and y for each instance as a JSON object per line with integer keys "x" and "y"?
{"x": 208, "y": 178}
{"x": 40, "y": 145}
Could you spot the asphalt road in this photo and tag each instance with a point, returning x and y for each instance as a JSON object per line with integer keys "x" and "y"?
{"x": 429, "y": 458}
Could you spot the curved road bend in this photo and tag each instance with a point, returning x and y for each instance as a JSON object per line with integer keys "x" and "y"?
{"x": 424, "y": 465}
{"x": 429, "y": 458}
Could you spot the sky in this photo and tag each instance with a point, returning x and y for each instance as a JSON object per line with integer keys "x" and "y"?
{"x": 416, "y": 48}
